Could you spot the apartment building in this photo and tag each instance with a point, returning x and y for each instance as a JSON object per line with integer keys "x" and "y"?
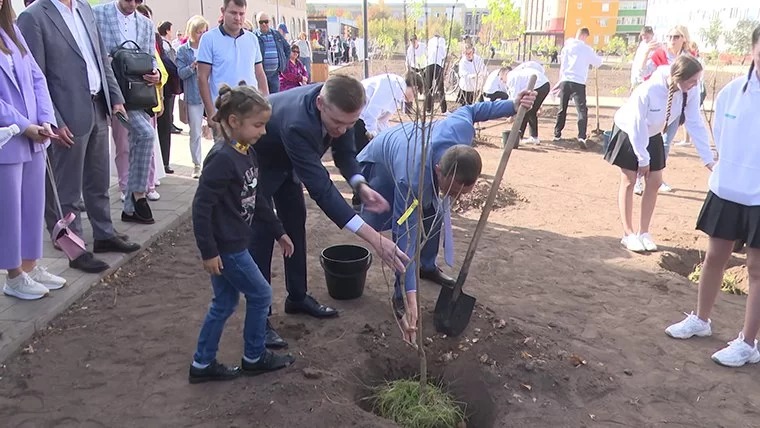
{"x": 600, "y": 17}
{"x": 289, "y": 12}
{"x": 631, "y": 17}
{"x": 697, "y": 14}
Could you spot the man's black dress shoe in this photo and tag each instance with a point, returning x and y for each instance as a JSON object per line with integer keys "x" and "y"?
{"x": 114, "y": 245}
{"x": 438, "y": 277}
{"x": 88, "y": 263}
{"x": 273, "y": 340}
{"x": 309, "y": 306}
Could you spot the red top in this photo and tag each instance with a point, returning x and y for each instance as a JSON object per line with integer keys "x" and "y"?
{"x": 660, "y": 57}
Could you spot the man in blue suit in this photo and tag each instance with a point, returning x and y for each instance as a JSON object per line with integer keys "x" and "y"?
{"x": 391, "y": 162}
{"x": 305, "y": 122}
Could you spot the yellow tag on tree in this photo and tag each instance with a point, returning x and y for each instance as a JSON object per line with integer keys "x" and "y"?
{"x": 408, "y": 212}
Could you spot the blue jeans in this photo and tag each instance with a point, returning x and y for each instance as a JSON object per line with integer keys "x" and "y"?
{"x": 670, "y": 135}
{"x": 273, "y": 79}
{"x": 240, "y": 275}
{"x": 306, "y": 61}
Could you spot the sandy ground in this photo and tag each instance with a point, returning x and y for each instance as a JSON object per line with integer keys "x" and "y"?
{"x": 569, "y": 325}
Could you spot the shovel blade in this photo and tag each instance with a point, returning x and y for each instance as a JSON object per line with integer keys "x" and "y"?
{"x": 452, "y": 317}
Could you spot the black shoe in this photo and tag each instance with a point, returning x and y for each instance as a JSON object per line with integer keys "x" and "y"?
{"x": 268, "y": 362}
{"x": 309, "y": 306}
{"x": 122, "y": 236}
{"x": 168, "y": 169}
{"x": 176, "y": 130}
{"x": 88, "y": 263}
{"x": 214, "y": 371}
{"x": 438, "y": 277}
{"x": 273, "y": 340}
{"x": 114, "y": 245}
{"x": 142, "y": 214}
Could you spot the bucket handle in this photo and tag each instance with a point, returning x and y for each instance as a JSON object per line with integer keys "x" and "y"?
{"x": 322, "y": 262}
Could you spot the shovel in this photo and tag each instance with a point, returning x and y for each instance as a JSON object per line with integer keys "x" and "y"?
{"x": 598, "y": 129}
{"x": 454, "y": 308}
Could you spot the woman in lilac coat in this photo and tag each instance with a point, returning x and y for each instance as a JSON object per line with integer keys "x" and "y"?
{"x": 25, "y": 103}
{"x": 295, "y": 73}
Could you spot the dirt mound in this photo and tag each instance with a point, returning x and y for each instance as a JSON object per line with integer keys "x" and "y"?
{"x": 476, "y": 199}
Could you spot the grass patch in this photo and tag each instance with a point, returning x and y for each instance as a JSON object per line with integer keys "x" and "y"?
{"x": 730, "y": 283}
{"x": 400, "y": 402}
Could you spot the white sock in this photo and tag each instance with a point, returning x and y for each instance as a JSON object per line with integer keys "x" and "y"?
{"x": 251, "y": 360}
{"x": 198, "y": 365}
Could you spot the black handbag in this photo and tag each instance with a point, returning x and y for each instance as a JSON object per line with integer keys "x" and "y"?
{"x": 129, "y": 65}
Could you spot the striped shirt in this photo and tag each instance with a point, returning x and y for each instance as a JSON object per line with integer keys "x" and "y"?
{"x": 271, "y": 58}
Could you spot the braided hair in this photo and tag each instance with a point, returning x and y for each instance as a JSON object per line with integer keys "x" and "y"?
{"x": 684, "y": 67}
{"x": 242, "y": 100}
{"x": 755, "y": 41}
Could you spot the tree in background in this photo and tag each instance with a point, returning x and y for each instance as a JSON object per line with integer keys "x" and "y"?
{"x": 739, "y": 39}
{"x": 617, "y": 46}
{"x": 711, "y": 34}
{"x": 545, "y": 48}
{"x": 502, "y": 23}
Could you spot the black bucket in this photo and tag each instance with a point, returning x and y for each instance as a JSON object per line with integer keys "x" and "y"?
{"x": 345, "y": 269}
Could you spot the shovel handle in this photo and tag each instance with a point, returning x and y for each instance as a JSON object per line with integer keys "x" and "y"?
{"x": 514, "y": 134}
{"x": 596, "y": 94}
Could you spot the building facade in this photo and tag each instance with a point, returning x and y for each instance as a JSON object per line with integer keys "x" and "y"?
{"x": 600, "y": 17}
{"x": 631, "y": 17}
{"x": 544, "y": 15}
{"x": 289, "y": 12}
{"x": 697, "y": 15}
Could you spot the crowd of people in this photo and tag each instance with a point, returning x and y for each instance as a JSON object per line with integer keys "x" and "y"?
{"x": 271, "y": 129}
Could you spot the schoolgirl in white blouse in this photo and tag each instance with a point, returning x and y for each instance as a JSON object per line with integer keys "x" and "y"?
{"x": 731, "y": 212}
{"x": 636, "y": 145}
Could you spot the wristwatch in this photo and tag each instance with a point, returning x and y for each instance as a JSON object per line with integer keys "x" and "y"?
{"x": 358, "y": 181}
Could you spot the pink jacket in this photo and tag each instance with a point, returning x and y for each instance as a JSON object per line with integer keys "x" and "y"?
{"x": 293, "y": 76}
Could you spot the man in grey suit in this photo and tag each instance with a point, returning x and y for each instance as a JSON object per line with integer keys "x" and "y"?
{"x": 64, "y": 39}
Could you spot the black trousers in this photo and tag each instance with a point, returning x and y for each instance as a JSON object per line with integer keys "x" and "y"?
{"x": 284, "y": 189}
{"x": 165, "y": 125}
{"x": 434, "y": 87}
{"x": 531, "y": 117}
{"x": 466, "y": 97}
{"x": 498, "y": 95}
{"x": 578, "y": 93}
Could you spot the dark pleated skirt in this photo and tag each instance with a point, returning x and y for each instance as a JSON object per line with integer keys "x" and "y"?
{"x": 728, "y": 220}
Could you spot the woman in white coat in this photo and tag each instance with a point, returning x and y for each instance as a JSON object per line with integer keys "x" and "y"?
{"x": 472, "y": 75}
{"x": 637, "y": 147}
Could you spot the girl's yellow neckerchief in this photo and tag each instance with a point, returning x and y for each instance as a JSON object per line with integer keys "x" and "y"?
{"x": 241, "y": 148}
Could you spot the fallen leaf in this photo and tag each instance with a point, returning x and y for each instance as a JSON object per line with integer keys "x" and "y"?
{"x": 484, "y": 358}
{"x": 475, "y": 340}
{"x": 526, "y": 386}
{"x": 593, "y": 417}
{"x": 28, "y": 350}
{"x": 501, "y": 324}
{"x": 525, "y": 355}
{"x": 577, "y": 360}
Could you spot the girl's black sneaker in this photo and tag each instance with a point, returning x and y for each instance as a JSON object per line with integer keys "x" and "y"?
{"x": 214, "y": 371}
{"x": 268, "y": 362}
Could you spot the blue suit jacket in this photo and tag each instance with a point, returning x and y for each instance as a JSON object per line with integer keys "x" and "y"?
{"x": 392, "y": 162}
{"x": 295, "y": 141}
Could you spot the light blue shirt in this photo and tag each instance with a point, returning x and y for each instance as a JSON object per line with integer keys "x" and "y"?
{"x": 232, "y": 59}
{"x": 396, "y": 155}
{"x": 73, "y": 20}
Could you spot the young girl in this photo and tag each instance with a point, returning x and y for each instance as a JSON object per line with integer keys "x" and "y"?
{"x": 636, "y": 145}
{"x": 225, "y": 204}
{"x": 731, "y": 212}
{"x": 678, "y": 43}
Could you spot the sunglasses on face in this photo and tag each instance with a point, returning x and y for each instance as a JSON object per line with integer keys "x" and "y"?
{"x": 264, "y": 21}
{"x": 135, "y": 1}
{"x": 295, "y": 51}
{"x": 674, "y": 36}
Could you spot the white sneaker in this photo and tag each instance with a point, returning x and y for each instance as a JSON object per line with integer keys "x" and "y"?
{"x": 689, "y": 327}
{"x": 24, "y": 288}
{"x": 665, "y": 188}
{"x": 51, "y": 282}
{"x": 683, "y": 143}
{"x": 638, "y": 188}
{"x": 633, "y": 243}
{"x": 647, "y": 242}
{"x": 532, "y": 140}
{"x": 196, "y": 171}
{"x": 557, "y": 139}
{"x": 157, "y": 183}
{"x": 123, "y": 196}
{"x": 153, "y": 195}
{"x": 737, "y": 353}
{"x": 582, "y": 143}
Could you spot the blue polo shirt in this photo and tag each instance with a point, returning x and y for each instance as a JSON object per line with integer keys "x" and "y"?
{"x": 232, "y": 59}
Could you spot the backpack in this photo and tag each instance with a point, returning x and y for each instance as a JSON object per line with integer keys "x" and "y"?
{"x": 129, "y": 65}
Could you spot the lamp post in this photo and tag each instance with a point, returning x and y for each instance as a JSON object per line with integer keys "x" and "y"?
{"x": 365, "y": 13}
